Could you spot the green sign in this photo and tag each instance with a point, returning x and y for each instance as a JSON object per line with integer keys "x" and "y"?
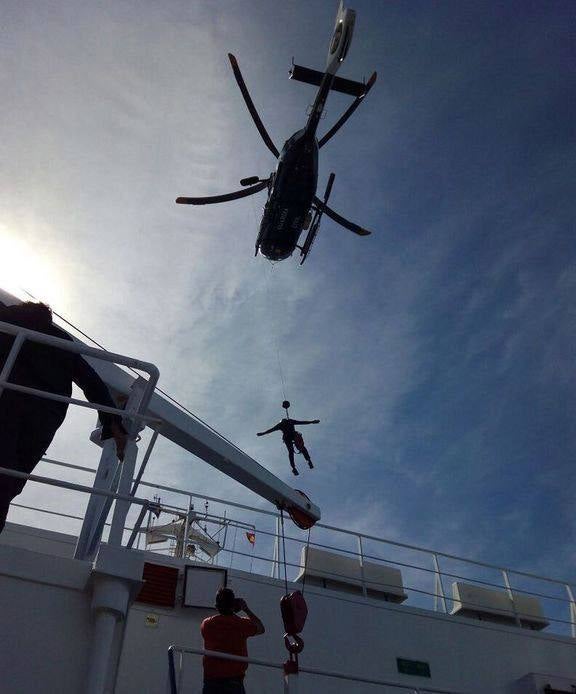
{"x": 413, "y": 667}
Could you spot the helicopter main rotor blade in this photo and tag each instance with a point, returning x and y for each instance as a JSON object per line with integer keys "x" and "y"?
{"x": 335, "y": 217}
{"x": 250, "y": 105}
{"x": 349, "y": 111}
{"x": 245, "y": 192}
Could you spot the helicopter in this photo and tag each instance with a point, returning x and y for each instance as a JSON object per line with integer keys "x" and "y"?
{"x": 292, "y": 205}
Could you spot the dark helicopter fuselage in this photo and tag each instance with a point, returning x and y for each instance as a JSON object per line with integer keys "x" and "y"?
{"x": 292, "y": 205}
{"x": 290, "y": 198}
{"x": 288, "y": 208}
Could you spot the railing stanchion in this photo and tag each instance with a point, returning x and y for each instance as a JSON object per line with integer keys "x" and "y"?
{"x": 511, "y": 596}
{"x": 572, "y": 610}
{"x": 106, "y": 479}
{"x": 439, "y": 595}
{"x": 361, "y": 559}
{"x": 137, "y": 527}
{"x": 275, "y": 550}
{"x": 135, "y": 404}
{"x": 145, "y": 460}
{"x": 121, "y": 508}
{"x": 186, "y": 528}
{"x": 11, "y": 359}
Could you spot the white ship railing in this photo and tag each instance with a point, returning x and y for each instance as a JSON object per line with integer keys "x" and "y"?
{"x": 290, "y": 682}
{"x": 23, "y": 334}
{"x": 419, "y": 594}
{"x": 416, "y": 588}
{"x": 133, "y": 413}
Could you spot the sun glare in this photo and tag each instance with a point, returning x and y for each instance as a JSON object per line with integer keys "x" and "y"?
{"x": 24, "y": 268}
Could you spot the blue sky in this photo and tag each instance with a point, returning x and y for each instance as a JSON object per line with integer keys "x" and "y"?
{"x": 438, "y": 352}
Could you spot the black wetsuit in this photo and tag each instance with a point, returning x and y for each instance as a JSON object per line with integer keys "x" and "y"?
{"x": 291, "y": 437}
{"x": 28, "y": 423}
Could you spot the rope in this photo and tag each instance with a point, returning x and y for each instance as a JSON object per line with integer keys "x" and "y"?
{"x": 284, "y": 551}
{"x": 306, "y": 562}
{"x": 281, "y": 375}
{"x": 276, "y": 340}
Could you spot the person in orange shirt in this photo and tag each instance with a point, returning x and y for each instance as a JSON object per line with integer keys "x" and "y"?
{"x": 228, "y": 633}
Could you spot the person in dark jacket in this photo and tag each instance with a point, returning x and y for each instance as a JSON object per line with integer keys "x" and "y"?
{"x": 28, "y": 423}
{"x": 291, "y": 437}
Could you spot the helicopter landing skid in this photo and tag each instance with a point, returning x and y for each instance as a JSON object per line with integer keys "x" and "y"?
{"x": 315, "y": 223}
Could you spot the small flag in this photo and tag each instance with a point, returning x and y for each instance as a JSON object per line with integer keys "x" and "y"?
{"x": 251, "y": 537}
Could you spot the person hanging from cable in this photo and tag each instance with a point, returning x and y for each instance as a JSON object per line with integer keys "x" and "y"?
{"x": 291, "y": 437}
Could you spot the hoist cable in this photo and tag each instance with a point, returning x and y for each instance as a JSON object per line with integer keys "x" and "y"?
{"x": 276, "y": 339}
{"x": 306, "y": 561}
{"x": 284, "y": 551}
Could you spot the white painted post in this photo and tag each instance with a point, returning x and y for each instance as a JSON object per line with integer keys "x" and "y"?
{"x": 104, "y": 480}
{"x": 11, "y": 359}
{"x": 361, "y": 559}
{"x": 439, "y": 595}
{"x": 121, "y": 508}
{"x": 273, "y": 573}
{"x": 186, "y": 528}
{"x": 511, "y": 596}
{"x": 572, "y": 610}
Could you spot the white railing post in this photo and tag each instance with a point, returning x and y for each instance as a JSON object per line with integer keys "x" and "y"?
{"x": 572, "y": 610}
{"x": 93, "y": 524}
{"x": 361, "y": 560}
{"x": 511, "y": 596}
{"x": 186, "y": 528}
{"x": 11, "y": 359}
{"x": 275, "y": 551}
{"x": 121, "y": 508}
{"x": 439, "y": 595}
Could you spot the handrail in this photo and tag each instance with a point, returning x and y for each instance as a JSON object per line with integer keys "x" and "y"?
{"x": 76, "y": 487}
{"x": 133, "y": 413}
{"x": 371, "y": 584}
{"x": 517, "y": 572}
{"x": 81, "y": 348}
{"x": 368, "y": 582}
{"x": 305, "y": 670}
{"x": 23, "y": 334}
